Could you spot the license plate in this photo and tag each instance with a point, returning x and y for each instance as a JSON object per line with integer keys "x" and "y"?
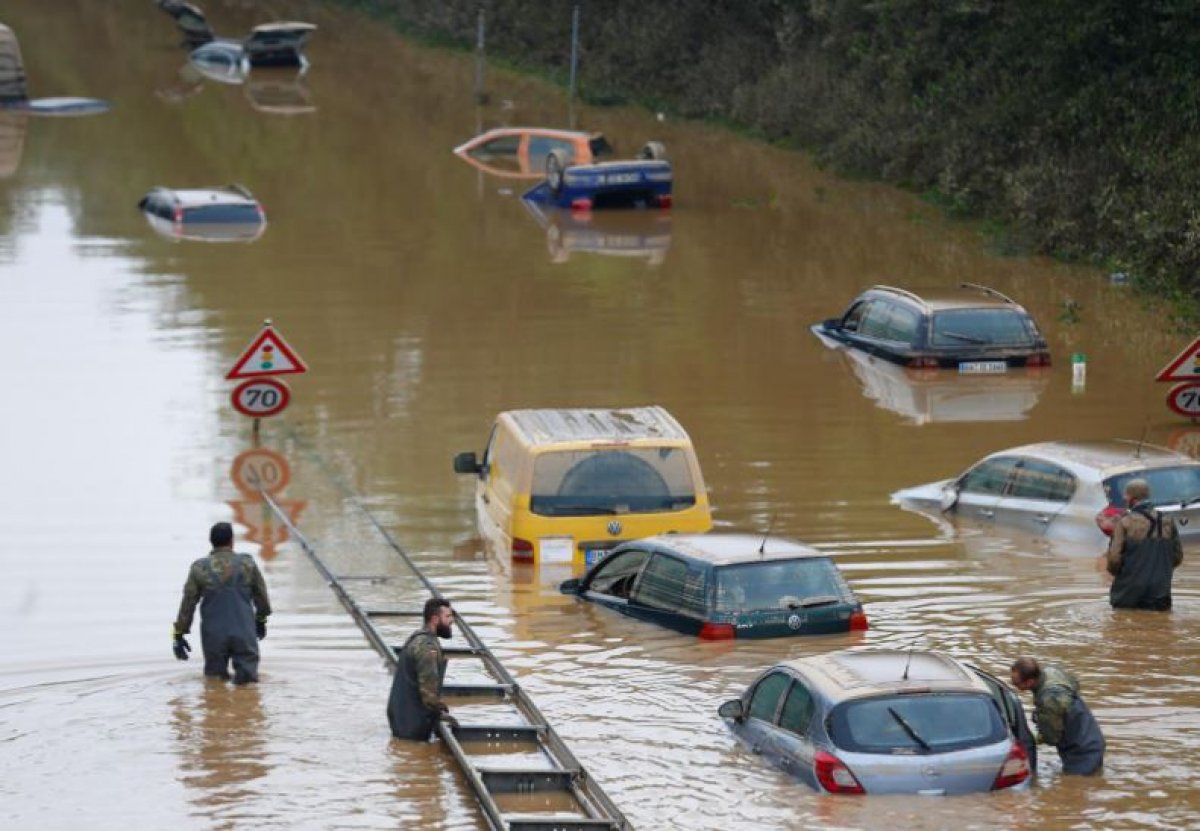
{"x": 594, "y": 555}
{"x": 982, "y": 367}
{"x": 621, "y": 178}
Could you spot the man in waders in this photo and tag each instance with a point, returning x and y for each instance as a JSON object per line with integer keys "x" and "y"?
{"x": 415, "y": 704}
{"x": 1143, "y": 554}
{"x": 233, "y": 609}
{"x": 1062, "y": 718}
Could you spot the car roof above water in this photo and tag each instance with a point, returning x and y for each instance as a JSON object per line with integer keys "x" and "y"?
{"x": 732, "y": 549}
{"x": 859, "y": 674}
{"x": 197, "y": 197}
{"x": 1109, "y": 457}
{"x": 962, "y": 296}
{"x": 542, "y": 428}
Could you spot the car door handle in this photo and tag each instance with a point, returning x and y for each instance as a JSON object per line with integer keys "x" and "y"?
{"x": 785, "y": 763}
{"x": 1043, "y": 518}
{"x": 984, "y": 512}
{"x": 756, "y": 748}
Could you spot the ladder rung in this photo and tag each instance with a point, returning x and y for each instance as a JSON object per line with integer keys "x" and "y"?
{"x": 535, "y": 823}
{"x": 378, "y": 578}
{"x": 392, "y": 612}
{"x": 496, "y": 690}
{"x": 518, "y": 780}
{"x": 499, "y": 732}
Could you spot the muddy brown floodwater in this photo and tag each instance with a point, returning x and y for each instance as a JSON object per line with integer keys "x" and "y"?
{"x": 426, "y": 299}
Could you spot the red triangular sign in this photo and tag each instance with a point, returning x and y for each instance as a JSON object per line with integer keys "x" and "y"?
{"x": 267, "y": 354}
{"x": 1184, "y": 367}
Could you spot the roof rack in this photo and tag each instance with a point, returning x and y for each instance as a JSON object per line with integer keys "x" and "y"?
{"x": 240, "y": 189}
{"x": 904, "y": 292}
{"x": 988, "y": 290}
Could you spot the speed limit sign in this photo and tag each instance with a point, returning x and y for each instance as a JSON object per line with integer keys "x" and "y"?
{"x": 261, "y": 397}
{"x": 1185, "y": 399}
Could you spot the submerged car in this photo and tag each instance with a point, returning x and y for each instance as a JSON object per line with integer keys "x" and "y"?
{"x": 644, "y": 182}
{"x": 722, "y": 586}
{"x": 1057, "y": 488}
{"x": 228, "y": 214}
{"x": 521, "y": 152}
{"x": 280, "y": 43}
{"x": 971, "y": 328}
{"x": 886, "y": 722}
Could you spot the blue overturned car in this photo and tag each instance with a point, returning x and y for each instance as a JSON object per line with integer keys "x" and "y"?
{"x": 644, "y": 182}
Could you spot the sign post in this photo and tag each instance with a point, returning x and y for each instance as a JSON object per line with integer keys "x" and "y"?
{"x": 260, "y": 395}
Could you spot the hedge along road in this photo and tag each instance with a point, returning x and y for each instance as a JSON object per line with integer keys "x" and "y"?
{"x": 426, "y": 299}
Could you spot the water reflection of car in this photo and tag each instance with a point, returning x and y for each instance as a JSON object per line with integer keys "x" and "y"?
{"x": 12, "y": 141}
{"x": 928, "y": 395}
{"x": 279, "y": 92}
{"x": 228, "y": 214}
{"x": 644, "y": 182}
{"x": 972, "y": 328}
{"x": 619, "y": 234}
{"x": 722, "y": 586}
{"x": 887, "y": 722}
{"x": 520, "y": 152}
{"x": 1057, "y": 488}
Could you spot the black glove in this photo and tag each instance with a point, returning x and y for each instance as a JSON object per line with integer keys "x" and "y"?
{"x": 260, "y": 628}
{"x": 181, "y": 647}
{"x": 450, "y": 721}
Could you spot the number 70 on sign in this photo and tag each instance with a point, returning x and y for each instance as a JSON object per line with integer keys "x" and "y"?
{"x": 1185, "y": 399}
{"x": 263, "y": 397}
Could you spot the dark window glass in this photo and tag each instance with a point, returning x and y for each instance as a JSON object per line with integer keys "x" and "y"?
{"x": 779, "y": 584}
{"x": 600, "y": 147}
{"x": 990, "y": 476}
{"x": 765, "y": 700}
{"x": 497, "y": 148}
{"x": 1035, "y": 479}
{"x": 540, "y": 147}
{"x": 222, "y": 213}
{"x": 672, "y": 584}
{"x": 600, "y": 482}
{"x": 875, "y": 320}
{"x": 900, "y": 723}
{"x": 1168, "y": 485}
{"x": 615, "y": 575}
{"x": 982, "y": 327}
{"x": 902, "y": 324}
{"x": 853, "y": 318}
{"x": 797, "y": 710}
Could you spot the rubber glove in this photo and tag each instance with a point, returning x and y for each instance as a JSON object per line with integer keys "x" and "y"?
{"x": 260, "y": 628}
{"x": 181, "y": 647}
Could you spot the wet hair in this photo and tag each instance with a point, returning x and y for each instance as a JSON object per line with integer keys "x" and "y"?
{"x": 1136, "y": 490}
{"x": 434, "y": 605}
{"x": 1027, "y": 669}
{"x": 221, "y": 535}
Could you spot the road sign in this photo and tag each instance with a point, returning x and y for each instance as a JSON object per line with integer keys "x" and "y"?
{"x": 1185, "y": 399}
{"x": 267, "y": 354}
{"x": 261, "y": 397}
{"x": 260, "y": 468}
{"x": 1183, "y": 367}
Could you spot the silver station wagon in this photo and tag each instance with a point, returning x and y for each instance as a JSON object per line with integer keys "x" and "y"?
{"x": 1058, "y": 488}
{"x": 886, "y": 721}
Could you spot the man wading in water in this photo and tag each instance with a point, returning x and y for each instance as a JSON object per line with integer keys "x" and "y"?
{"x": 233, "y": 609}
{"x": 1144, "y": 552}
{"x": 1062, "y": 718}
{"x": 415, "y": 704}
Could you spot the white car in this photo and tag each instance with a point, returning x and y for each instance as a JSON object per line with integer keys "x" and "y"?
{"x": 1058, "y": 488}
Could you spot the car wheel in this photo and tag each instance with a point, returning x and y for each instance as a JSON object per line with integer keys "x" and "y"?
{"x": 556, "y": 164}
{"x": 653, "y": 151}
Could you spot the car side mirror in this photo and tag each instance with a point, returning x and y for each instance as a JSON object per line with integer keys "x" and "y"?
{"x": 831, "y": 323}
{"x": 569, "y": 586}
{"x": 949, "y": 497}
{"x": 732, "y": 709}
{"x": 467, "y": 463}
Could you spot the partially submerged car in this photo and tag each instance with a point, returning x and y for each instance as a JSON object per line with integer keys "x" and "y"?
{"x": 280, "y": 43}
{"x": 521, "y": 152}
{"x": 228, "y": 214}
{"x": 567, "y": 485}
{"x": 644, "y": 182}
{"x": 971, "y": 328}
{"x": 1058, "y": 488}
{"x": 14, "y": 94}
{"x": 720, "y": 586}
{"x": 887, "y": 722}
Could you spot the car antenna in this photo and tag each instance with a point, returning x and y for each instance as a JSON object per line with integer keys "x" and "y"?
{"x": 762, "y": 548}
{"x": 1137, "y": 453}
{"x": 908, "y": 660}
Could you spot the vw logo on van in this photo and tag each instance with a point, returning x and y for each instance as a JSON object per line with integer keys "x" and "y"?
{"x": 795, "y": 621}
{"x": 614, "y": 527}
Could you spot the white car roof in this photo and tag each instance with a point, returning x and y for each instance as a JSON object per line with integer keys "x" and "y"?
{"x": 543, "y": 427}
{"x": 1103, "y": 458}
{"x": 863, "y": 673}
{"x": 195, "y": 197}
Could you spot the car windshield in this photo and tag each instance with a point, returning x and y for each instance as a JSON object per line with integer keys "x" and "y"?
{"x": 917, "y": 723}
{"x": 1168, "y": 485}
{"x": 779, "y": 584}
{"x": 612, "y": 481}
{"x": 982, "y": 327}
{"x": 222, "y": 213}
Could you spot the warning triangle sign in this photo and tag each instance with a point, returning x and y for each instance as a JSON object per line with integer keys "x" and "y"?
{"x": 1184, "y": 367}
{"x": 267, "y": 354}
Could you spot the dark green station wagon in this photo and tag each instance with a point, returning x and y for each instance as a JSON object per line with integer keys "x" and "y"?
{"x": 724, "y": 586}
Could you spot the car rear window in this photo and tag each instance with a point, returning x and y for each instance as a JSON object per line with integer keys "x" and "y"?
{"x": 600, "y": 147}
{"x": 779, "y": 584}
{"x": 983, "y": 327}
{"x": 222, "y": 213}
{"x": 671, "y": 584}
{"x": 1168, "y": 485}
{"x": 917, "y": 723}
{"x": 598, "y": 482}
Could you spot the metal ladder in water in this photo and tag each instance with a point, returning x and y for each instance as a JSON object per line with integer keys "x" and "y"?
{"x": 562, "y": 782}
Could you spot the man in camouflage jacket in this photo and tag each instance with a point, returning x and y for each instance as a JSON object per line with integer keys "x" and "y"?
{"x": 415, "y": 704}
{"x": 1062, "y": 718}
{"x": 234, "y": 607}
{"x": 1144, "y": 552}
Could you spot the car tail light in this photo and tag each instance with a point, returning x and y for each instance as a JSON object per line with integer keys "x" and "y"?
{"x": 1038, "y": 359}
{"x": 834, "y": 776}
{"x": 1107, "y": 518}
{"x": 581, "y": 204}
{"x": 262, "y": 212}
{"x": 178, "y": 213}
{"x": 858, "y": 621}
{"x": 717, "y": 632}
{"x": 1015, "y": 769}
{"x": 664, "y": 201}
{"x": 923, "y": 362}
{"x": 522, "y": 549}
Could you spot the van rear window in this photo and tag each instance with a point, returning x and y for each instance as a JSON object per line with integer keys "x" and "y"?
{"x": 917, "y": 723}
{"x": 780, "y": 584}
{"x": 611, "y": 481}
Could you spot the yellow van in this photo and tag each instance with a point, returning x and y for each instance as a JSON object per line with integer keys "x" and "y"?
{"x": 565, "y": 486}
